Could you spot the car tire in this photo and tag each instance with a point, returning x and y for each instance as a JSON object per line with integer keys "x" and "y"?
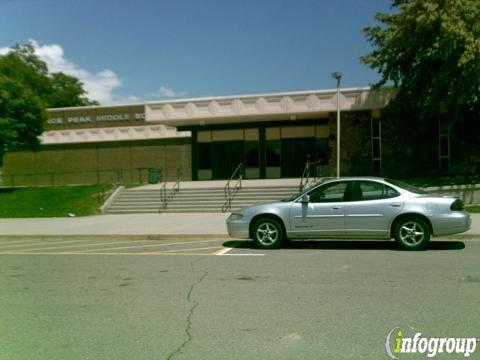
{"x": 268, "y": 233}
{"x": 412, "y": 233}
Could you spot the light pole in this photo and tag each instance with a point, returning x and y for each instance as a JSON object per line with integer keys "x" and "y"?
{"x": 337, "y": 75}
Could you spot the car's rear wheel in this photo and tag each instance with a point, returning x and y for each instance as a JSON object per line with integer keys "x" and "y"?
{"x": 268, "y": 233}
{"x": 412, "y": 233}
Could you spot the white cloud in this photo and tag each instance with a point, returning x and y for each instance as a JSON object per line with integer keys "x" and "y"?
{"x": 165, "y": 91}
{"x": 99, "y": 86}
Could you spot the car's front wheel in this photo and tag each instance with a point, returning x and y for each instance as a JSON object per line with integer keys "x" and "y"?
{"x": 412, "y": 233}
{"x": 268, "y": 233}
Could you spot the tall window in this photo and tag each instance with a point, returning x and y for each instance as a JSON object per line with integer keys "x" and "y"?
{"x": 205, "y": 155}
{"x": 376, "y": 146}
{"x": 252, "y": 159}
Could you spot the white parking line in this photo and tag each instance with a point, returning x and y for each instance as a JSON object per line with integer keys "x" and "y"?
{"x": 223, "y": 251}
{"x": 243, "y": 254}
{"x": 191, "y": 249}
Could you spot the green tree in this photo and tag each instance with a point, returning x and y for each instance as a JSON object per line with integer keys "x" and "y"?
{"x": 66, "y": 91}
{"x": 22, "y": 114}
{"x": 27, "y": 89}
{"x": 430, "y": 51}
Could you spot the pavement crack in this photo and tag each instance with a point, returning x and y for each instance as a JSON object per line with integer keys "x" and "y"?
{"x": 190, "y": 315}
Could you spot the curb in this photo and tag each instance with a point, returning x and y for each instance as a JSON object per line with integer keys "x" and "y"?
{"x": 159, "y": 237}
{"x": 460, "y": 236}
{"x": 167, "y": 237}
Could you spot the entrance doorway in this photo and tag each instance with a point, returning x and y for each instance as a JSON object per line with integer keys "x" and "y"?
{"x": 226, "y": 156}
{"x": 295, "y": 152}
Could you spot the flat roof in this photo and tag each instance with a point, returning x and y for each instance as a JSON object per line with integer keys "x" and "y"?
{"x": 271, "y": 106}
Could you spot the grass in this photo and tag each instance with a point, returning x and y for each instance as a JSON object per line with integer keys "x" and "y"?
{"x": 443, "y": 180}
{"x": 472, "y": 208}
{"x": 58, "y": 201}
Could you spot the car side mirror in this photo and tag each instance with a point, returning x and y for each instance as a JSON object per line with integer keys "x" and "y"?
{"x": 305, "y": 199}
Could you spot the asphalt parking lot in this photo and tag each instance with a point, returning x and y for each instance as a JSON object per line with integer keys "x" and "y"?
{"x": 211, "y": 299}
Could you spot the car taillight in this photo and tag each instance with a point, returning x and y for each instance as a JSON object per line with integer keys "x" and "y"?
{"x": 457, "y": 205}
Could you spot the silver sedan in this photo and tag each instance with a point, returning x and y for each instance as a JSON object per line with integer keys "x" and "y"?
{"x": 360, "y": 208}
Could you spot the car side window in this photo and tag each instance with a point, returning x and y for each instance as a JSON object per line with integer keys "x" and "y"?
{"x": 371, "y": 190}
{"x": 329, "y": 193}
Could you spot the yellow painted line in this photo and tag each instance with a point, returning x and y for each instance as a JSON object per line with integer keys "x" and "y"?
{"x": 107, "y": 254}
{"x": 9, "y": 242}
{"x": 41, "y": 243}
{"x": 194, "y": 249}
{"x": 154, "y": 245}
{"x": 70, "y": 246}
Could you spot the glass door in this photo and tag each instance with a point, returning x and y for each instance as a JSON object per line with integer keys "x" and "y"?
{"x": 295, "y": 152}
{"x": 226, "y": 157}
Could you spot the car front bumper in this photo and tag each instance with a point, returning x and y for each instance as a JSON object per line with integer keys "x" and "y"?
{"x": 238, "y": 229}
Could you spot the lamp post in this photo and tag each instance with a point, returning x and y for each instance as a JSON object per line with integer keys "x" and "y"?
{"x": 337, "y": 75}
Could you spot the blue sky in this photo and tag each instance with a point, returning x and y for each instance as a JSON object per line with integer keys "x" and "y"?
{"x": 145, "y": 50}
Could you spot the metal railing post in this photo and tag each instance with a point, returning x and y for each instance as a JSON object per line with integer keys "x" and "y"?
{"x": 228, "y": 191}
{"x": 305, "y": 176}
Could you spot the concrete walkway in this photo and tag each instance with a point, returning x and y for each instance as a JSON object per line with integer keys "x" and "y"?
{"x": 151, "y": 226}
{"x": 200, "y": 184}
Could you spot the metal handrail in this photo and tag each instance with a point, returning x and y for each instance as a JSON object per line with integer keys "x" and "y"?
{"x": 163, "y": 196}
{"x": 176, "y": 186}
{"x": 230, "y": 192}
{"x": 305, "y": 176}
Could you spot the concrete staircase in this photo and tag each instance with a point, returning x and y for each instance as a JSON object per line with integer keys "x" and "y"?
{"x": 254, "y": 195}
{"x": 195, "y": 199}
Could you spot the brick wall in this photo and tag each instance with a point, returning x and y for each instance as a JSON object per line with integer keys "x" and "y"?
{"x": 98, "y": 163}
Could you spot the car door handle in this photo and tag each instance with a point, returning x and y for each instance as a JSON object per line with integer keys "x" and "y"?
{"x": 395, "y": 204}
{"x": 336, "y": 207}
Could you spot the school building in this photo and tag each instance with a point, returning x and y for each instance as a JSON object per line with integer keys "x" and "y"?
{"x": 271, "y": 135}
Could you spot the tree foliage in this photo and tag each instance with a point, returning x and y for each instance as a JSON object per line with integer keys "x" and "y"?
{"x": 430, "y": 51}
{"x": 27, "y": 89}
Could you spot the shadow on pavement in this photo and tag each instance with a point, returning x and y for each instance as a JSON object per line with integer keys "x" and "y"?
{"x": 346, "y": 245}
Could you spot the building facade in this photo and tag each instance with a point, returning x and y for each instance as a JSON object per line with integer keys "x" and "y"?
{"x": 271, "y": 135}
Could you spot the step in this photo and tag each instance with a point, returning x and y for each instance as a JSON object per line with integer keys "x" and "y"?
{"x": 195, "y": 206}
{"x": 196, "y": 199}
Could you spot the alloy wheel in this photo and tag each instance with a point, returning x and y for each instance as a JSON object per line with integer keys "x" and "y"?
{"x": 267, "y": 234}
{"x": 412, "y": 233}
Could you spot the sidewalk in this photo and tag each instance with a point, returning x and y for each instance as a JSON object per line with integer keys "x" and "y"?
{"x": 125, "y": 226}
{"x": 141, "y": 226}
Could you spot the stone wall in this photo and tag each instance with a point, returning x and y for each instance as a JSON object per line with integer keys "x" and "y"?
{"x": 355, "y": 144}
{"x": 125, "y": 162}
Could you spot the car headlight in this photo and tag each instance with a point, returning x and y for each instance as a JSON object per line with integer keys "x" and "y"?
{"x": 236, "y": 216}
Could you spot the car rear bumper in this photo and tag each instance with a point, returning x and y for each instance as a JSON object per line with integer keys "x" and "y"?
{"x": 450, "y": 224}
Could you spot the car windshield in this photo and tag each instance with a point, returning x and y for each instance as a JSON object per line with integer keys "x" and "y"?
{"x": 406, "y": 186}
{"x": 297, "y": 195}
